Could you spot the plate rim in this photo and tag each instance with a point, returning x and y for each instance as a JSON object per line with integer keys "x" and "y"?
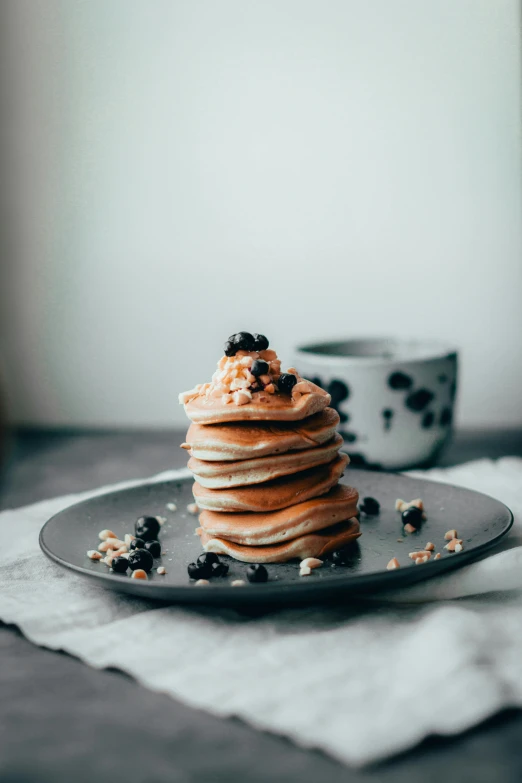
{"x": 353, "y": 584}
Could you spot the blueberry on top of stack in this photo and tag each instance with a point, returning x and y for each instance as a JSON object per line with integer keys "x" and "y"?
{"x": 265, "y": 456}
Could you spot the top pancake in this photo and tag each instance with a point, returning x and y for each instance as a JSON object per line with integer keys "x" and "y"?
{"x": 245, "y": 440}
{"x": 263, "y": 407}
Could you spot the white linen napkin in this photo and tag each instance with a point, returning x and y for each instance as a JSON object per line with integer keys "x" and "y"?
{"x": 359, "y": 682}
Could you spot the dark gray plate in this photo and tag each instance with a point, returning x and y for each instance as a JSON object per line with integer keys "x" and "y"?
{"x": 479, "y": 520}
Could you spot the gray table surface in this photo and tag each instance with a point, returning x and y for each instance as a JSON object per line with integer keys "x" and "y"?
{"x": 61, "y": 720}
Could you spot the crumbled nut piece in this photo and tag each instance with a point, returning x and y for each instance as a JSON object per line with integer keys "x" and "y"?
{"x": 111, "y": 543}
{"x": 420, "y": 554}
{"x": 105, "y": 534}
{"x": 393, "y": 564}
{"x": 238, "y": 582}
{"x": 311, "y": 562}
{"x": 119, "y": 552}
{"x": 453, "y": 544}
{"x": 192, "y": 508}
{"x": 430, "y": 547}
{"x": 402, "y": 505}
{"x": 409, "y": 528}
{"x": 201, "y": 582}
{"x": 419, "y": 560}
{"x": 171, "y": 507}
{"x": 139, "y": 574}
{"x": 450, "y": 534}
{"x": 302, "y": 387}
{"x": 185, "y": 446}
{"x": 128, "y": 538}
{"x": 161, "y": 570}
{"x": 437, "y": 556}
{"x": 305, "y": 571}
{"x": 94, "y": 555}
{"x": 242, "y": 397}
{"x": 270, "y": 389}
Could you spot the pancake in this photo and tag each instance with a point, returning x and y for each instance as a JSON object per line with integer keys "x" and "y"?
{"x": 265, "y": 529}
{"x": 220, "y": 475}
{"x": 243, "y": 440}
{"x": 264, "y": 407}
{"x": 311, "y": 545}
{"x": 273, "y": 495}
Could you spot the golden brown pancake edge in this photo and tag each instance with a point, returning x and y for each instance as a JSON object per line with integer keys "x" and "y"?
{"x": 223, "y": 475}
{"x": 273, "y": 495}
{"x": 264, "y": 529}
{"x": 315, "y": 544}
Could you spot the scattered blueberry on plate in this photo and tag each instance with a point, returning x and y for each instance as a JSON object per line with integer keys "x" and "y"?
{"x": 219, "y": 569}
{"x": 412, "y": 516}
{"x": 257, "y": 573}
{"x": 207, "y": 559}
{"x": 154, "y": 547}
{"x": 147, "y": 528}
{"x": 119, "y": 564}
{"x": 370, "y": 506}
{"x": 140, "y": 558}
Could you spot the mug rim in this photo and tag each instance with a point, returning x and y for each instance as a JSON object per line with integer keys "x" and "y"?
{"x": 403, "y": 351}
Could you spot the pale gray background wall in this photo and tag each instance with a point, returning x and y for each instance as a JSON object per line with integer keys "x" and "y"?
{"x": 178, "y": 170}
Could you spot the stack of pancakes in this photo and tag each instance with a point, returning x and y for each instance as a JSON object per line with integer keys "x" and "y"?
{"x": 266, "y": 476}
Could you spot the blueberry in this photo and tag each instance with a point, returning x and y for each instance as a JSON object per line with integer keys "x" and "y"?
{"x": 412, "y": 516}
{"x": 140, "y": 558}
{"x": 196, "y": 571}
{"x": 154, "y": 547}
{"x": 259, "y": 367}
{"x": 243, "y": 341}
{"x": 230, "y": 348}
{"x": 260, "y": 342}
{"x": 137, "y": 543}
{"x": 257, "y": 573}
{"x": 147, "y": 528}
{"x": 286, "y": 382}
{"x": 370, "y": 506}
{"x": 219, "y": 569}
{"x": 341, "y": 557}
{"x": 207, "y": 558}
{"x": 119, "y": 564}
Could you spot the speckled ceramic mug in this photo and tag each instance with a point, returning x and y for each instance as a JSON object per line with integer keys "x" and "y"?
{"x": 395, "y": 397}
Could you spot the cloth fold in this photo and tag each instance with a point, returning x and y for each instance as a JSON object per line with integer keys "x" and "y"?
{"x": 360, "y": 682}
